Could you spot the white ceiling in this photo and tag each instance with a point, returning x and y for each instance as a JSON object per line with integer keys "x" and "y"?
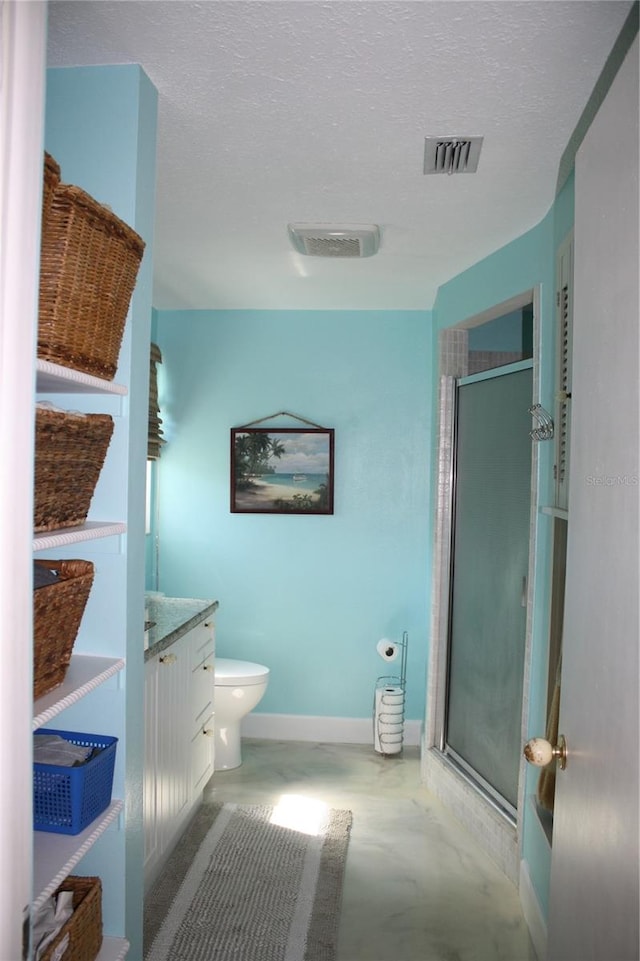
{"x": 309, "y": 111}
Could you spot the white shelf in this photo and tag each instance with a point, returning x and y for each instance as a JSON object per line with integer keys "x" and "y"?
{"x": 86, "y": 672}
{"x": 49, "y": 540}
{"x": 54, "y": 379}
{"x": 560, "y": 512}
{"x": 56, "y": 855}
{"x": 113, "y": 949}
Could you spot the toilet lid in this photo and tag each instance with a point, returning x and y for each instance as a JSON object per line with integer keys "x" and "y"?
{"x": 229, "y": 672}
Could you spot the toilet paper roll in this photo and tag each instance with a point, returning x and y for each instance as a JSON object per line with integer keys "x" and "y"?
{"x": 387, "y": 650}
{"x": 391, "y": 697}
{"x": 390, "y": 737}
{"x": 387, "y": 743}
{"x": 388, "y": 720}
{"x": 392, "y": 713}
{"x": 385, "y": 727}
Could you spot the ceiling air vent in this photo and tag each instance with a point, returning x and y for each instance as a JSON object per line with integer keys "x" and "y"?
{"x": 451, "y": 155}
{"x": 343, "y": 240}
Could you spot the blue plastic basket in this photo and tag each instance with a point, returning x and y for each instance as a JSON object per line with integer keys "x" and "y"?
{"x": 67, "y": 799}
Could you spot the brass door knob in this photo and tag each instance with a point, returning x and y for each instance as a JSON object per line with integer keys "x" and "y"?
{"x": 541, "y": 752}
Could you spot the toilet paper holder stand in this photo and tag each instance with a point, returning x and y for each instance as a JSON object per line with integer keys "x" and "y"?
{"x": 389, "y": 729}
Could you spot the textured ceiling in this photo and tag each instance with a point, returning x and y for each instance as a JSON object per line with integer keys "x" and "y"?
{"x": 297, "y": 110}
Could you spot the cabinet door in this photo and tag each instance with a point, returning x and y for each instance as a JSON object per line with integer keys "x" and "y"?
{"x": 173, "y": 713}
{"x": 202, "y": 756}
{"x": 202, "y": 704}
{"x": 202, "y": 686}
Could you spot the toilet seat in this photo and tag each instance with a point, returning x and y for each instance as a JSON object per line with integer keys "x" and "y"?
{"x": 230, "y": 672}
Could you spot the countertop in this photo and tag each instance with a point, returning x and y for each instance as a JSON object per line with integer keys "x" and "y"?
{"x": 172, "y": 617}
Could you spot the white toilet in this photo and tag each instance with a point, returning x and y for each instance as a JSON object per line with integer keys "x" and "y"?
{"x": 239, "y": 686}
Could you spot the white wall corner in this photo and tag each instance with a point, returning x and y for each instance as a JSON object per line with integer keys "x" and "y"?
{"x": 532, "y": 912}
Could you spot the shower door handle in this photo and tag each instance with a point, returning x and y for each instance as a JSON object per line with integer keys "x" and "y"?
{"x": 540, "y": 752}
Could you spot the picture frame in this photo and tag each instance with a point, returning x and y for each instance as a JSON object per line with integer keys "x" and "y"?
{"x": 283, "y": 470}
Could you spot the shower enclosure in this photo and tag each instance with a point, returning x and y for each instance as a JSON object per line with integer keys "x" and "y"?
{"x": 488, "y": 580}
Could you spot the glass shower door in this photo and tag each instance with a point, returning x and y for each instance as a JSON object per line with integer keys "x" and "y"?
{"x": 490, "y": 556}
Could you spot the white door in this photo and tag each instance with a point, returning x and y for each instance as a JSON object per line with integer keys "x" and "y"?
{"x": 594, "y": 875}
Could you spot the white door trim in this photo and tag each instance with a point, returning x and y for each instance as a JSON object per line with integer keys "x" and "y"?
{"x": 23, "y": 57}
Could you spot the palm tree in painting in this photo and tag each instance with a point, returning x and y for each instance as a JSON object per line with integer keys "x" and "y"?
{"x": 322, "y": 493}
{"x": 276, "y": 448}
{"x": 251, "y": 454}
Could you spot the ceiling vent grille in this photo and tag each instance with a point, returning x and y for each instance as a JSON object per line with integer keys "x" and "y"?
{"x": 451, "y": 155}
{"x": 344, "y": 240}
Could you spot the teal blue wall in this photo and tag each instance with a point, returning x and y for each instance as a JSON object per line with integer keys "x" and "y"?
{"x": 527, "y": 262}
{"x": 100, "y": 126}
{"x": 309, "y": 596}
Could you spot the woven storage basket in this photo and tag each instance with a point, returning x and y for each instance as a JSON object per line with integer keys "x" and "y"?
{"x": 51, "y": 179}
{"x": 84, "y": 927}
{"x": 70, "y": 452}
{"x": 57, "y": 613}
{"x": 88, "y": 268}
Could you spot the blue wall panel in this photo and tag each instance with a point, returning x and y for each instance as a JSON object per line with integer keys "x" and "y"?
{"x": 309, "y": 596}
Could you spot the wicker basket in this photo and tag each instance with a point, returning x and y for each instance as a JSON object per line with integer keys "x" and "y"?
{"x": 84, "y": 927}
{"x": 70, "y": 452}
{"x": 88, "y": 268}
{"x": 51, "y": 180}
{"x": 57, "y": 613}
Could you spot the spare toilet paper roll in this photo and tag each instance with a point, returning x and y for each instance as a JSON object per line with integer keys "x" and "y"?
{"x": 387, "y": 743}
{"x": 391, "y": 697}
{"x": 387, "y": 650}
{"x": 388, "y": 722}
{"x": 385, "y": 727}
{"x": 390, "y": 718}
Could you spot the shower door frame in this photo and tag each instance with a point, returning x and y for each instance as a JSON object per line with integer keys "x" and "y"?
{"x": 467, "y": 769}
{"x": 496, "y": 832}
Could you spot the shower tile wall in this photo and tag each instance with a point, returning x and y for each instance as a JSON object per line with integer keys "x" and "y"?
{"x": 454, "y": 353}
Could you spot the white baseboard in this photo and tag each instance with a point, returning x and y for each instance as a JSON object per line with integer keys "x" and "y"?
{"x": 532, "y": 912}
{"x": 329, "y": 730}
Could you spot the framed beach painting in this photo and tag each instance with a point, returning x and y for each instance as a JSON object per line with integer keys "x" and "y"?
{"x": 281, "y": 471}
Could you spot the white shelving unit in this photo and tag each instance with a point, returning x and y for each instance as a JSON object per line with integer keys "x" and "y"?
{"x": 90, "y": 531}
{"x": 54, "y": 379}
{"x": 56, "y": 855}
{"x": 86, "y": 672}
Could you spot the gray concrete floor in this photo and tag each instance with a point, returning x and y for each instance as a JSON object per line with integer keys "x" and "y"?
{"x": 417, "y": 886}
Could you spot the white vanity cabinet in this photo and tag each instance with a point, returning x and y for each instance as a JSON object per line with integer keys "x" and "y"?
{"x": 201, "y": 714}
{"x": 179, "y": 717}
